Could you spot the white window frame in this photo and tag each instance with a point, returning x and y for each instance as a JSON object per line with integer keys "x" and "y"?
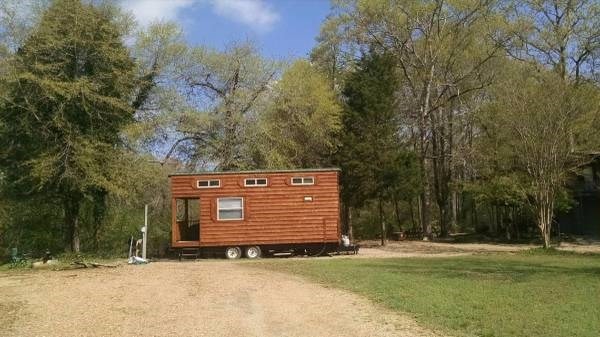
{"x": 219, "y": 209}
{"x": 256, "y": 182}
{"x": 303, "y": 183}
{"x": 209, "y": 181}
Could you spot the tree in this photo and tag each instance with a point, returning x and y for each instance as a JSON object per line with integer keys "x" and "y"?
{"x": 333, "y": 54}
{"x": 224, "y": 90}
{"x": 300, "y": 125}
{"x": 68, "y": 99}
{"x": 547, "y": 128}
{"x": 562, "y": 35}
{"x": 17, "y": 17}
{"x": 442, "y": 54}
{"x": 400, "y": 181}
{"x": 158, "y": 50}
{"x": 369, "y": 137}
{"x": 16, "y": 20}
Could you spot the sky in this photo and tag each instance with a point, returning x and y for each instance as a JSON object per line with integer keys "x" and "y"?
{"x": 282, "y": 29}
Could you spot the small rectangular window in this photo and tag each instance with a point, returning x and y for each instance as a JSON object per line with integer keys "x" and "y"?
{"x": 255, "y": 182}
{"x": 209, "y": 183}
{"x": 303, "y": 181}
{"x": 230, "y": 208}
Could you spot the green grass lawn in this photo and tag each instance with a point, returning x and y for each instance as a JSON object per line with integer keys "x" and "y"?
{"x": 528, "y": 294}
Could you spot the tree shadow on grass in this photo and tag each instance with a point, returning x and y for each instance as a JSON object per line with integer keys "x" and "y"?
{"x": 479, "y": 268}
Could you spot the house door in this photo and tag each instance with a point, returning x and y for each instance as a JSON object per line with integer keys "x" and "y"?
{"x": 188, "y": 219}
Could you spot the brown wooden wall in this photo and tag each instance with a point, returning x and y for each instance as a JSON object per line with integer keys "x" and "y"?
{"x": 275, "y": 214}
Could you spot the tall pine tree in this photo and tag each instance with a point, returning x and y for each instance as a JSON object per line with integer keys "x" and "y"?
{"x": 67, "y": 100}
{"x": 370, "y": 132}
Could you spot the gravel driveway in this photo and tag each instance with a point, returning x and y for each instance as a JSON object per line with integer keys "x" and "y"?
{"x": 205, "y": 298}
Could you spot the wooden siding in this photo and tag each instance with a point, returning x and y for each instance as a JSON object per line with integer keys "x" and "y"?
{"x": 274, "y": 214}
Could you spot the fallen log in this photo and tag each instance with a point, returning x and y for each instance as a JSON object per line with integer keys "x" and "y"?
{"x": 96, "y": 265}
{"x": 82, "y": 264}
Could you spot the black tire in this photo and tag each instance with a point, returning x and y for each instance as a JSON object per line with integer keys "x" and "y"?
{"x": 233, "y": 253}
{"x": 252, "y": 252}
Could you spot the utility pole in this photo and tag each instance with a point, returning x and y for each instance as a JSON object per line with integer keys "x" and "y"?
{"x": 145, "y": 232}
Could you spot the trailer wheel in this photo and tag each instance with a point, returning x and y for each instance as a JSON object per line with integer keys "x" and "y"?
{"x": 253, "y": 252}
{"x": 233, "y": 253}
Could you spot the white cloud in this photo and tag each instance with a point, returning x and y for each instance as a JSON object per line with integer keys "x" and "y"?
{"x": 254, "y": 13}
{"x": 146, "y": 11}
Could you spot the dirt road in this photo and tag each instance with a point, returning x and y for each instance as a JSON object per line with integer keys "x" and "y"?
{"x": 205, "y": 298}
{"x": 373, "y": 249}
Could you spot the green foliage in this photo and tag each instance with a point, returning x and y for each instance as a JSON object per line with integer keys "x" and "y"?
{"x": 401, "y": 178}
{"x": 332, "y": 54}
{"x": 207, "y": 109}
{"x": 443, "y": 51}
{"x": 499, "y": 190}
{"x": 488, "y": 295}
{"x": 300, "y": 125}
{"x": 366, "y": 220}
{"x": 159, "y": 52}
{"x": 542, "y": 129}
{"x": 561, "y": 35}
{"x": 235, "y": 84}
{"x": 432, "y": 109}
{"x": 17, "y": 17}
{"x": 68, "y": 99}
{"x": 375, "y": 163}
{"x": 35, "y": 225}
{"x": 370, "y": 155}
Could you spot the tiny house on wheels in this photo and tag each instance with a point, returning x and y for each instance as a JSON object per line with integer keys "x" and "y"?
{"x": 249, "y": 213}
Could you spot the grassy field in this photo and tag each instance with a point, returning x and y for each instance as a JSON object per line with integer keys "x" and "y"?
{"x": 526, "y": 294}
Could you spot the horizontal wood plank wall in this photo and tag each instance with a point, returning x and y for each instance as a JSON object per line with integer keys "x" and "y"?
{"x": 274, "y": 214}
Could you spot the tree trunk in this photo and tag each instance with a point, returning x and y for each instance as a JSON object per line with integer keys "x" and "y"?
{"x": 474, "y": 215}
{"x": 228, "y": 148}
{"x": 99, "y": 215}
{"x": 493, "y": 219}
{"x": 350, "y": 230}
{"x": 516, "y": 223}
{"x": 412, "y": 214}
{"x": 382, "y": 221}
{"x": 347, "y": 220}
{"x": 423, "y": 136}
{"x": 500, "y": 211}
{"x": 344, "y": 217}
{"x": 454, "y": 204}
{"x": 71, "y": 208}
{"x": 426, "y": 225}
{"x": 545, "y": 214}
{"x": 441, "y": 144}
{"x": 443, "y": 222}
{"x": 397, "y": 212}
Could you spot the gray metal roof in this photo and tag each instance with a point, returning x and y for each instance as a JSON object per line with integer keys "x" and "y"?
{"x": 254, "y": 171}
